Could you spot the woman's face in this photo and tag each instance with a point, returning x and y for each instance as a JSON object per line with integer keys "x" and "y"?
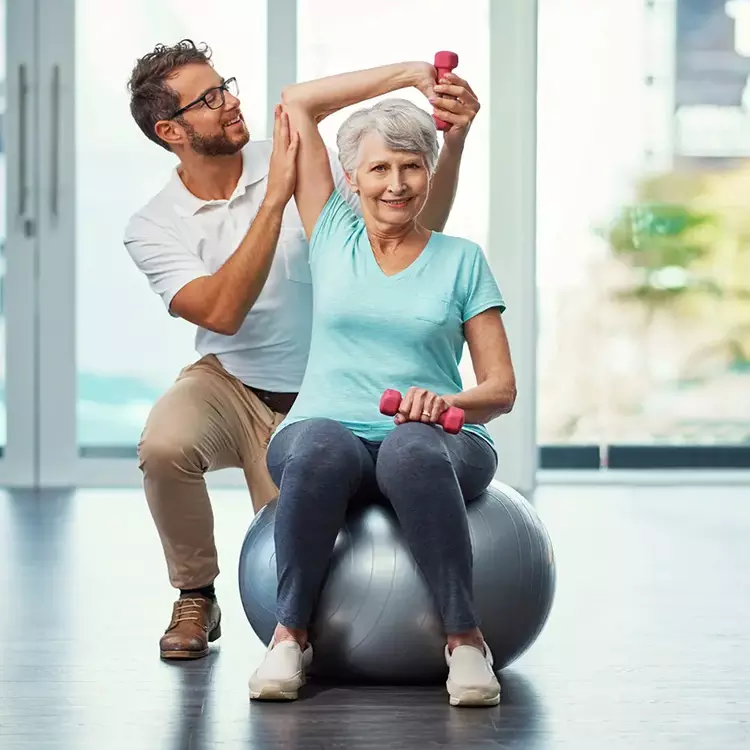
{"x": 392, "y": 185}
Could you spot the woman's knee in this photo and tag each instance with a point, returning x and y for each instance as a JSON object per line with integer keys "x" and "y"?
{"x": 475, "y": 463}
{"x": 313, "y": 438}
{"x": 315, "y": 447}
{"x": 411, "y": 450}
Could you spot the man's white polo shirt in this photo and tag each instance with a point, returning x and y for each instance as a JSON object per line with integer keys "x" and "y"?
{"x": 177, "y": 237}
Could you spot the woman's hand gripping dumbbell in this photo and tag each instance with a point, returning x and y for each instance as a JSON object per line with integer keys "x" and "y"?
{"x": 444, "y": 63}
{"x": 433, "y": 409}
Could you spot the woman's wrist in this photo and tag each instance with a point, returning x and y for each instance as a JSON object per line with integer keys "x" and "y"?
{"x": 451, "y": 399}
{"x": 420, "y": 75}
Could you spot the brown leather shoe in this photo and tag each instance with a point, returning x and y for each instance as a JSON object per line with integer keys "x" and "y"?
{"x": 196, "y": 622}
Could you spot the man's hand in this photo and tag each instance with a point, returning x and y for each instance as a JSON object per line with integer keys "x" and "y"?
{"x": 282, "y": 174}
{"x": 456, "y": 103}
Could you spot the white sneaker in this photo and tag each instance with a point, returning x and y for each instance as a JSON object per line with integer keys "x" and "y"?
{"x": 282, "y": 672}
{"x": 471, "y": 678}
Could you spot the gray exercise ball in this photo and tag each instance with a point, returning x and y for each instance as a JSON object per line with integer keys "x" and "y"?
{"x": 375, "y": 620}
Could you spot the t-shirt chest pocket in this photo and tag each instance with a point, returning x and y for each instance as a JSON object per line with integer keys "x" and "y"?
{"x": 429, "y": 308}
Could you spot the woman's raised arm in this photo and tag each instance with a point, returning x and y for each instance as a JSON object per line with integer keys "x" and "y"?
{"x": 308, "y": 103}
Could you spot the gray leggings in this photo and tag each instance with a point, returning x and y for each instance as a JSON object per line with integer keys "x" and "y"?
{"x": 424, "y": 473}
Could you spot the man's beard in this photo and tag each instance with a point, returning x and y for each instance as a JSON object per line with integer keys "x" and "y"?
{"x": 215, "y": 145}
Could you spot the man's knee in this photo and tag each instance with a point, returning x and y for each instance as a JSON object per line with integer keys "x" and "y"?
{"x": 169, "y": 440}
{"x": 185, "y": 428}
{"x": 166, "y": 450}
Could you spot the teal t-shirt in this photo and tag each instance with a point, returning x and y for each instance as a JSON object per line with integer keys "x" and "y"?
{"x": 371, "y": 331}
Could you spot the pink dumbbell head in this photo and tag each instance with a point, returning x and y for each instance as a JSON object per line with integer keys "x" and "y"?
{"x": 451, "y": 420}
{"x": 444, "y": 63}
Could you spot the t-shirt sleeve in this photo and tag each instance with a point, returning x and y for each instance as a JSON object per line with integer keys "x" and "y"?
{"x": 339, "y": 180}
{"x": 158, "y": 253}
{"x": 482, "y": 291}
{"x": 335, "y": 226}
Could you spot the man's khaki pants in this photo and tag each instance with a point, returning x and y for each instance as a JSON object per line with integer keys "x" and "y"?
{"x": 206, "y": 421}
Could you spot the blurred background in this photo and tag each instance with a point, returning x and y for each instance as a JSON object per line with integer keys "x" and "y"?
{"x": 642, "y": 250}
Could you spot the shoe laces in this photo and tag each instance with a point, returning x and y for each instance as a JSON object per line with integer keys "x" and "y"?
{"x": 186, "y": 610}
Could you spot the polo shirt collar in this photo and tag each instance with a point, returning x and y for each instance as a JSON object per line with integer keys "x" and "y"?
{"x": 254, "y": 169}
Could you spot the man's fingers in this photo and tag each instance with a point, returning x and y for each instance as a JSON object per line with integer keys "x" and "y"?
{"x": 284, "y": 129}
{"x": 276, "y": 123}
{"x": 294, "y": 143}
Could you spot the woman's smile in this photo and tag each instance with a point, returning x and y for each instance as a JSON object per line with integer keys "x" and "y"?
{"x": 396, "y": 202}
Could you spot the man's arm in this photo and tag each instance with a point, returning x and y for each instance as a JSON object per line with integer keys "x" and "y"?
{"x": 220, "y": 302}
{"x": 456, "y": 103}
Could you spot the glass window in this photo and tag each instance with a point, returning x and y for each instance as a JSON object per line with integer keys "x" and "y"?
{"x": 129, "y": 350}
{"x": 643, "y": 254}
{"x": 335, "y": 36}
{"x": 3, "y": 234}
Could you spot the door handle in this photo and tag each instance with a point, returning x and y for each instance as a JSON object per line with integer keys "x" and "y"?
{"x": 55, "y": 143}
{"x": 23, "y": 93}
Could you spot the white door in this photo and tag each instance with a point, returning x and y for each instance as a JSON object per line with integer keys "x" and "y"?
{"x": 19, "y": 244}
{"x": 108, "y": 347}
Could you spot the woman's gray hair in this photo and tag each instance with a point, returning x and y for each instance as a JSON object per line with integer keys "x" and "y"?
{"x": 402, "y": 124}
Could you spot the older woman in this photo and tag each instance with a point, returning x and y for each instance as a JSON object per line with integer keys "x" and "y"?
{"x": 394, "y": 305}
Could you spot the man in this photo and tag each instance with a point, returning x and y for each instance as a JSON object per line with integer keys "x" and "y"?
{"x": 224, "y": 247}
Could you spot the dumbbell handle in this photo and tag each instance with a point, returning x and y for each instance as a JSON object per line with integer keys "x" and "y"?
{"x": 444, "y": 63}
{"x": 451, "y": 420}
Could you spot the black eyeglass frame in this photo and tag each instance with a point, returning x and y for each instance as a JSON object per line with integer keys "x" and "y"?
{"x": 224, "y": 86}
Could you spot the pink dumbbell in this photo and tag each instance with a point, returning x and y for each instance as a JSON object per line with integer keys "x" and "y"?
{"x": 444, "y": 63}
{"x": 451, "y": 420}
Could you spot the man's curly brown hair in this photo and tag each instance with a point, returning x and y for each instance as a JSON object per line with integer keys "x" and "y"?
{"x": 151, "y": 97}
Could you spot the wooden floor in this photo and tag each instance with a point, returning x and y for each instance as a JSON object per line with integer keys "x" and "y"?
{"x": 647, "y": 646}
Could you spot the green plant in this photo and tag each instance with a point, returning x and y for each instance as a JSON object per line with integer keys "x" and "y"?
{"x": 685, "y": 243}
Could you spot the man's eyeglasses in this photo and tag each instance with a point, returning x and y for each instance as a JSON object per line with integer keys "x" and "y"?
{"x": 213, "y": 98}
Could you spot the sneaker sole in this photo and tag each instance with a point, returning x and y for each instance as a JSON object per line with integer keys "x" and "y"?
{"x": 288, "y": 691}
{"x": 473, "y": 696}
